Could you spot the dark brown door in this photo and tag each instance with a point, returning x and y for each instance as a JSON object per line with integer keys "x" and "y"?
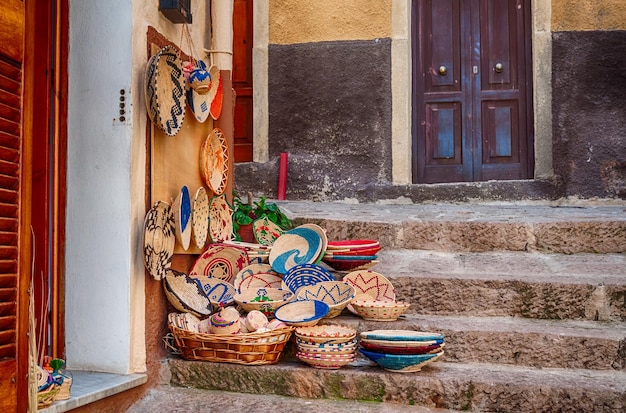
{"x": 472, "y": 89}
{"x": 242, "y": 79}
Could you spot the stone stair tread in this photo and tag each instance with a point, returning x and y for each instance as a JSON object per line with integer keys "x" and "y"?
{"x": 438, "y": 323}
{"x": 457, "y": 386}
{"x": 540, "y": 212}
{"x": 582, "y": 268}
{"x": 184, "y": 399}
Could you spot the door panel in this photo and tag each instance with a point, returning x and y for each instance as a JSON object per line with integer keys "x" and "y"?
{"x": 471, "y": 91}
{"x": 242, "y": 79}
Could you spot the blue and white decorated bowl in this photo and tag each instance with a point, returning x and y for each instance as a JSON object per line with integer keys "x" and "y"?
{"x": 306, "y": 274}
{"x": 300, "y": 245}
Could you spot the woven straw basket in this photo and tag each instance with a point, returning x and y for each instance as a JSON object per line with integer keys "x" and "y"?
{"x": 250, "y": 348}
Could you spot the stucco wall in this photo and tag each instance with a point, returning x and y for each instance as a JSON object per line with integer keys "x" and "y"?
{"x": 588, "y": 15}
{"x": 306, "y": 21}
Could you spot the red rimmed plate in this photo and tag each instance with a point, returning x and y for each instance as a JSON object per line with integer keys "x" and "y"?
{"x": 220, "y": 261}
{"x": 399, "y": 348}
{"x": 214, "y": 161}
{"x": 158, "y": 239}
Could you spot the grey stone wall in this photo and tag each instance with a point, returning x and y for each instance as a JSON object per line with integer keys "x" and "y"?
{"x": 589, "y": 112}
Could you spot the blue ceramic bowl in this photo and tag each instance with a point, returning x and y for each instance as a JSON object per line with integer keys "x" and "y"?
{"x": 403, "y": 363}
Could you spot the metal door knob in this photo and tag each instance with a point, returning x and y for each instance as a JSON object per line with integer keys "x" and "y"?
{"x": 443, "y": 70}
{"x": 499, "y": 67}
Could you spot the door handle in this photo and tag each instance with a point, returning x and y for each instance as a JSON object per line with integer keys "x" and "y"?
{"x": 499, "y": 67}
{"x": 443, "y": 70}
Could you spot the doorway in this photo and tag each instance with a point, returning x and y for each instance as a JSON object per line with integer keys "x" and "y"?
{"x": 243, "y": 15}
{"x": 471, "y": 90}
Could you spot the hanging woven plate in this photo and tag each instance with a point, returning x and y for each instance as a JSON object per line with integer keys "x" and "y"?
{"x": 158, "y": 239}
{"x": 220, "y": 219}
{"x": 214, "y": 161}
{"x": 200, "y": 217}
{"x": 296, "y": 246}
{"x": 182, "y": 218}
{"x": 165, "y": 90}
{"x": 220, "y": 261}
{"x": 218, "y": 99}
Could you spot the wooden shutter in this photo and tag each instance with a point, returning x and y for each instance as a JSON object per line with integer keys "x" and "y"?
{"x": 12, "y": 317}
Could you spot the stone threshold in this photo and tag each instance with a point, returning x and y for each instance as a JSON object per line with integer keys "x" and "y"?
{"x": 88, "y": 387}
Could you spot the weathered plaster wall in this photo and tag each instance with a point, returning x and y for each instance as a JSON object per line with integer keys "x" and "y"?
{"x": 589, "y": 90}
{"x": 297, "y": 21}
{"x": 588, "y": 15}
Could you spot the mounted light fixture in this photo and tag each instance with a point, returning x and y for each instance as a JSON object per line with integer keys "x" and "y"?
{"x": 177, "y": 11}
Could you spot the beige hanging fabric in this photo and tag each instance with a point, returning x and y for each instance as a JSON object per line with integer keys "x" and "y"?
{"x": 221, "y": 48}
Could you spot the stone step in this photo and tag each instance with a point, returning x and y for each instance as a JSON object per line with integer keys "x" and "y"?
{"x": 533, "y": 285}
{"x": 456, "y": 386}
{"x": 165, "y": 398}
{"x": 514, "y": 340}
{"x": 595, "y": 227}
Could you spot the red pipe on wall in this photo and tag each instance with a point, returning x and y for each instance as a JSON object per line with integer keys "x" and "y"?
{"x": 282, "y": 176}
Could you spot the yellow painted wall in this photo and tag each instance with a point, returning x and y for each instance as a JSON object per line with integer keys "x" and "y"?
{"x": 304, "y": 21}
{"x": 580, "y": 15}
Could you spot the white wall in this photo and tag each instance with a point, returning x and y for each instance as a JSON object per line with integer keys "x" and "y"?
{"x": 98, "y": 233}
{"x": 106, "y": 164}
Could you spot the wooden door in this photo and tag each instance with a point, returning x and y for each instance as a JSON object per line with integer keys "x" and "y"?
{"x": 473, "y": 114}
{"x": 13, "y": 284}
{"x": 242, "y": 79}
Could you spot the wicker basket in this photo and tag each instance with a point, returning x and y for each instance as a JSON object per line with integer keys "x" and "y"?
{"x": 47, "y": 396}
{"x": 250, "y": 348}
{"x": 64, "y": 388}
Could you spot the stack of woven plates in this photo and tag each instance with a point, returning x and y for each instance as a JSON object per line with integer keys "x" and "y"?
{"x": 326, "y": 346}
{"x": 348, "y": 255}
{"x": 402, "y": 351}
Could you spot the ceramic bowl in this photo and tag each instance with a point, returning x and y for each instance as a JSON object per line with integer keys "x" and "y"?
{"x": 379, "y": 310}
{"x": 402, "y": 363}
{"x": 302, "y": 313}
{"x": 265, "y": 300}
{"x": 337, "y": 294}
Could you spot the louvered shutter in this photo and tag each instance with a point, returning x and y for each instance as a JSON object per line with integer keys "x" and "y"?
{"x": 11, "y": 49}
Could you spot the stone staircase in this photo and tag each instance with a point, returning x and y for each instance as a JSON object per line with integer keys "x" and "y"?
{"x": 531, "y": 299}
